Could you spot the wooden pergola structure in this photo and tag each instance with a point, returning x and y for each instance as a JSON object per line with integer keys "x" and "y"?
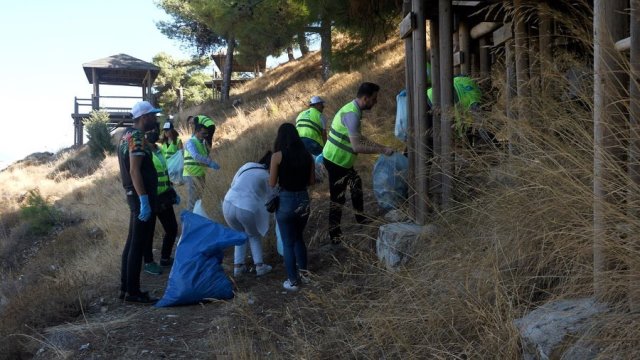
{"x": 461, "y": 35}
{"x": 122, "y": 70}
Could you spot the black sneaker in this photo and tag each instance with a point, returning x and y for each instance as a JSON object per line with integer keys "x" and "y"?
{"x": 166, "y": 262}
{"x": 143, "y": 299}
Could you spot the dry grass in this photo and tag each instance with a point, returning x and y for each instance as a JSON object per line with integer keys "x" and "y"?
{"x": 519, "y": 234}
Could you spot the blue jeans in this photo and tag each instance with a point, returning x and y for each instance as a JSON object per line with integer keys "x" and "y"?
{"x": 312, "y": 146}
{"x": 292, "y": 216}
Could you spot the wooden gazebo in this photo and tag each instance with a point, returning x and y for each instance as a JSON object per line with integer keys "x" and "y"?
{"x": 120, "y": 69}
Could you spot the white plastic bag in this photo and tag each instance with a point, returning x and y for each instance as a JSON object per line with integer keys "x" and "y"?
{"x": 199, "y": 210}
{"x": 320, "y": 170}
{"x": 401, "y": 116}
{"x": 175, "y": 165}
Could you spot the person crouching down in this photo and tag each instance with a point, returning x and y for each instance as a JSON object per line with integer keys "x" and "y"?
{"x": 243, "y": 209}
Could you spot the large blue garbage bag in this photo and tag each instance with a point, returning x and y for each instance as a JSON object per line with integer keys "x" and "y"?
{"x": 390, "y": 180}
{"x": 197, "y": 271}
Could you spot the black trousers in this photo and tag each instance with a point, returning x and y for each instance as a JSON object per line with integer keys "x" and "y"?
{"x": 339, "y": 179}
{"x": 140, "y": 233}
{"x": 167, "y": 218}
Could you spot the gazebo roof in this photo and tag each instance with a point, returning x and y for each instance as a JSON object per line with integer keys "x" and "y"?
{"x": 120, "y": 69}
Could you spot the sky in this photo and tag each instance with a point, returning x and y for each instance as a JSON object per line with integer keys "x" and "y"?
{"x": 44, "y": 44}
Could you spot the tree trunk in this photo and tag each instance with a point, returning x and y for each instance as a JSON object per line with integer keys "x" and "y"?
{"x": 325, "y": 47}
{"x": 228, "y": 69}
{"x": 290, "y": 53}
{"x": 302, "y": 42}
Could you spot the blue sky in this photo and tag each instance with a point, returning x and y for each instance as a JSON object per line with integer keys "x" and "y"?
{"x": 45, "y": 43}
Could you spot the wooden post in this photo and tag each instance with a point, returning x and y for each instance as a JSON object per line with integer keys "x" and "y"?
{"x": 411, "y": 143}
{"x": 484, "y": 57}
{"x": 545, "y": 42}
{"x": 608, "y": 26}
{"x": 436, "y": 172}
{"x": 95, "y": 100}
{"x": 510, "y": 90}
{"x": 634, "y": 143}
{"x": 522, "y": 51}
{"x": 446, "y": 99}
{"x": 465, "y": 48}
{"x": 420, "y": 107}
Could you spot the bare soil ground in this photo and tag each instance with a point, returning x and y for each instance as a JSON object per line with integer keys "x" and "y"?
{"x": 255, "y": 324}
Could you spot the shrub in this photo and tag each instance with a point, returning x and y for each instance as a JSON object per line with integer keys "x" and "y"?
{"x": 98, "y": 134}
{"x": 38, "y": 214}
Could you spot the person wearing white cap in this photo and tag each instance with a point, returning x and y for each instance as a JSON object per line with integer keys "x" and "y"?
{"x": 140, "y": 182}
{"x": 170, "y": 141}
{"x": 311, "y": 126}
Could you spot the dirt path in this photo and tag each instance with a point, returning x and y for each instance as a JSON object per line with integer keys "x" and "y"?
{"x": 256, "y": 321}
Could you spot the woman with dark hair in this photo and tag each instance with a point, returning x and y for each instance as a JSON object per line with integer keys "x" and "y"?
{"x": 243, "y": 209}
{"x": 170, "y": 141}
{"x": 292, "y": 169}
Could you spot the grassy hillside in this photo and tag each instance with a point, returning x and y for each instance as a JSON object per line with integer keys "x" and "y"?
{"x": 519, "y": 235}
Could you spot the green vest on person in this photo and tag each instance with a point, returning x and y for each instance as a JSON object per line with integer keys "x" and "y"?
{"x": 309, "y": 125}
{"x": 338, "y": 149}
{"x": 168, "y": 149}
{"x": 205, "y": 120}
{"x": 160, "y": 163}
{"x": 191, "y": 166}
{"x": 466, "y": 95}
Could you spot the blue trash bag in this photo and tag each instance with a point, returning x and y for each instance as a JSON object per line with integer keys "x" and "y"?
{"x": 401, "y": 116}
{"x": 389, "y": 180}
{"x": 197, "y": 271}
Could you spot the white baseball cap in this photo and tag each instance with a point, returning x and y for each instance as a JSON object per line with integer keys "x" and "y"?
{"x": 167, "y": 125}
{"x": 143, "y": 108}
{"x": 316, "y": 100}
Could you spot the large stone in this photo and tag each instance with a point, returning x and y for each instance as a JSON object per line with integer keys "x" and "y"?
{"x": 543, "y": 329}
{"x": 396, "y": 243}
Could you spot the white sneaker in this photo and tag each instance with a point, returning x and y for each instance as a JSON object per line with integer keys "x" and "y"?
{"x": 239, "y": 271}
{"x": 263, "y": 269}
{"x": 287, "y": 285}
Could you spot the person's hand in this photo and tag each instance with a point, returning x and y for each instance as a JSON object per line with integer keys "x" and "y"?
{"x": 145, "y": 208}
{"x": 214, "y": 165}
{"x": 387, "y": 151}
{"x": 177, "y": 202}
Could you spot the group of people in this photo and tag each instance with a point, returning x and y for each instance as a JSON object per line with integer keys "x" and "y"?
{"x": 286, "y": 171}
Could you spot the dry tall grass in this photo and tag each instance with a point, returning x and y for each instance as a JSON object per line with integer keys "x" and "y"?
{"x": 518, "y": 235}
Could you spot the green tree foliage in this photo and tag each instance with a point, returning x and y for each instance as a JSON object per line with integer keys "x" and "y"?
{"x": 38, "y": 214}
{"x": 98, "y": 134}
{"x": 185, "y": 27}
{"x": 187, "y": 75}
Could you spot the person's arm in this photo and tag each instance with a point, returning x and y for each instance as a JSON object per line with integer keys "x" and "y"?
{"x": 136, "y": 155}
{"x": 323, "y": 119}
{"x": 276, "y": 159}
{"x": 359, "y": 143}
{"x": 191, "y": 148}
{"x": 180, "y": 146}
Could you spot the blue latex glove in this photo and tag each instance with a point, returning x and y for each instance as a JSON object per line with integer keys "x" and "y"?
{"x": 177, "y": 200}
{"x": 145, "y": 208}
{"x": 214, "y": 165}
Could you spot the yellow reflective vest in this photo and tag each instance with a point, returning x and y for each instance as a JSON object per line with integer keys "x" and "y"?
{"x": 168, "y": 149}
{"x": 160, "y": 163}
{"x": 309, "y": 125}
{"x": 191, "y": 166}
{"x": 338, "y": 149}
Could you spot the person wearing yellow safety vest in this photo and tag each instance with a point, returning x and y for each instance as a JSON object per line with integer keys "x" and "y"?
{"x": 171, "y": 143}
{"x": 344, "y": 143}
{"x": 311, "y": 126}
{"x": 208, "y": 123}
{"x": 167, "y": 197}
{"x": 196, "y": 161}
{"x": 467, "y": 97}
